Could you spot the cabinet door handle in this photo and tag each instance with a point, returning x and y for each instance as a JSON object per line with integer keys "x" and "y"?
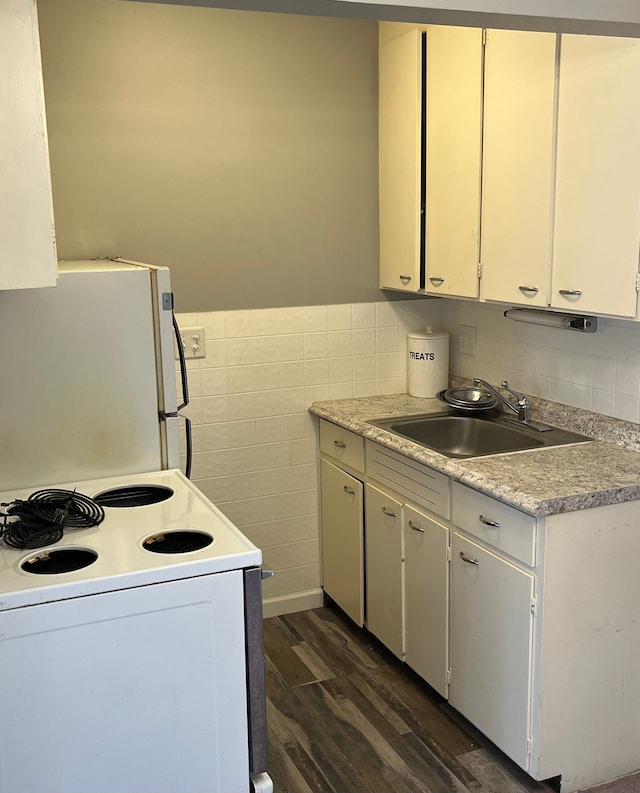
{"x": 533, "y": 289}
{"x": 349, "y": 491}
{"x": 467, "y": 560}
{"x": 488, "y": 522}
{"x": 405, "y": 279}
{"x": 436, "y": 281}
{"x": 340, "y": 444}
{"x": 388, "y": 513}
{"x": 413, "y": 526}
{"x": 570, "y": 292}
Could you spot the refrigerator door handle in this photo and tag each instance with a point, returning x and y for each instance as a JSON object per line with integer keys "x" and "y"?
{"x": 188, "y": 447}
{"x": 185, "y": 397}
{"x": 183, "y": 363}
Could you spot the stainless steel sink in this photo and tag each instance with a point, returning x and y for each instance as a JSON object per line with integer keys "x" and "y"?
{"x": 459, "y": 435}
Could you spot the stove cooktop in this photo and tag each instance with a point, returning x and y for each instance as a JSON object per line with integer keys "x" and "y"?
{"x": 178, "y": 535}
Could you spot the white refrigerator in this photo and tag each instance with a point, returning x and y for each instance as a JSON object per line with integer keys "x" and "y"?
{"x": 88, "y": 377}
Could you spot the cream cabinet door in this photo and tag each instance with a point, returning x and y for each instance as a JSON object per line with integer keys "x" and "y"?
{"x": 342, "y": 535}
{"x": 597, "y": 205}
{"x": 400, "y": 157}
{"x": 27, "y": 240}
{"x": 384, "y": 568}
{"x": 426, "y": 586}
{"x": 491, "y": 646}
{"x": 518, "y": 158}
{"x": 453, "y": 160}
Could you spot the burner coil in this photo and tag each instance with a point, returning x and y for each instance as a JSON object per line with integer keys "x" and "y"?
{"x": 41, "y": 519}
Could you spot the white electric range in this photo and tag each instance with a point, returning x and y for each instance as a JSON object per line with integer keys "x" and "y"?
{"x": 132, "y": 650}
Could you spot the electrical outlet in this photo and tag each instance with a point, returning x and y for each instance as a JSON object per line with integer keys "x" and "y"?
{"x": 466, "y": 340}
{"x": 192, "y": 343}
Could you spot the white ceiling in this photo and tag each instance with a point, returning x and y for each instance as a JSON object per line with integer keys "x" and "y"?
{"x": 606, "y": 17}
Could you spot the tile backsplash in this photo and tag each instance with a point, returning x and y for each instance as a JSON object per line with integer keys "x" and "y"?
{"x": 255, "y": 443}
{"x": 596, "y": 371}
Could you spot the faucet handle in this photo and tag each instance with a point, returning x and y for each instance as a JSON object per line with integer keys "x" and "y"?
{"x": 522, "y": 398}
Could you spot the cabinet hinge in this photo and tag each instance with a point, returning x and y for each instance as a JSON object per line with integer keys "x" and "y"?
{"x": 637, "y": 282}
{"x": 449, "y": 553}
{"x": 484, "y": 37}
{"x": 533, "y": 605}
{"x": 448, "y": 677}
{"x": 479, "y": 269}
{"x": 529, "y": 745}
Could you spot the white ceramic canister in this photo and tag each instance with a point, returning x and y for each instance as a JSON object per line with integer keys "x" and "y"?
{"x": 428, "y": 363}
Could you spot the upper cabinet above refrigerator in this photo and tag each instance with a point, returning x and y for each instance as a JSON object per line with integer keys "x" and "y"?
{"x": 27, "y": 237}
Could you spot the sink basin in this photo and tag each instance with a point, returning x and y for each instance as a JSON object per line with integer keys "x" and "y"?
{"x": 456, "y": 435}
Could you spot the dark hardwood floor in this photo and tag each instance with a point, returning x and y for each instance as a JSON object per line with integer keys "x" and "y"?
{"x": 345, "y": 716}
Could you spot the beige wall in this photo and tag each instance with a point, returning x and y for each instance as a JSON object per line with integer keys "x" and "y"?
{"x": 238, "y": 148}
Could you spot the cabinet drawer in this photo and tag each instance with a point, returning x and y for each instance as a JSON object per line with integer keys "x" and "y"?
{"x": 515, "y": 532}
{"x": 342, "y": 445}
{"x": 415, "y": 482}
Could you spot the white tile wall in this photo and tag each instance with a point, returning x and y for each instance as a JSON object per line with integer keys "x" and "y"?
{"x": 597, "y": 371}
{"x": 254, "y": 442}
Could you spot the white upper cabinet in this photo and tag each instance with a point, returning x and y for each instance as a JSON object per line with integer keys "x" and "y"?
{"x": 518, "y": 156}
{"x": 531, "y": 168}
{"x": 400, "y": 157}
{"x": 27, "y": 238}
{"x": 597, "y": 199}
{"x": 453, "y": 160}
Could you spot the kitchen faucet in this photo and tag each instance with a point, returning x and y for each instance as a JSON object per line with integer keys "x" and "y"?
{"x": 521, "y": 407}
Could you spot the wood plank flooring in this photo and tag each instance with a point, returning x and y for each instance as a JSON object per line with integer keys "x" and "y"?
{"x": 345, "y": 716}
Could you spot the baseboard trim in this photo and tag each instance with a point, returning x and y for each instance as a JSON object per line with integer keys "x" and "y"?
{"x": 296, "y": 601}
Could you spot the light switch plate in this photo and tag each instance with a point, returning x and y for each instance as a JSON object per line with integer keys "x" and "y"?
{"x": 466, "y": 340}
{"x": 192, "y": 343}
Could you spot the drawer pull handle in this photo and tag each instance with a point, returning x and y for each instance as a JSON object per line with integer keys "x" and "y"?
{"x": 436, "y": 281}
{"x": 388, "y": 513}
{"x": 340, "y": 444}
{"x": 488, "y": 522}
{"x": 405, "y": 279}
{"x": 467, "y": 560}
{"x": 413, "y": 526}
{"x": 533, "y": 289}
{"x": 349, "y": 491}
{"x": 570, "y": 292}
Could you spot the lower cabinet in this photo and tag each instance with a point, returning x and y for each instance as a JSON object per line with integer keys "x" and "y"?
{"x": 342, "y": 533}
{"x": 530, "y": 626}
{"x": 384, "y": 571}
{"x": 492, "y": 645}
{"x": 426, "y": 586}
{"x": 407, "y": 584}
{"x": 407, "y": 563}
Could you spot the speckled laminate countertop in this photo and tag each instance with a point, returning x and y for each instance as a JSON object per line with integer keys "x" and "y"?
{"x": 543, "y": 481}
